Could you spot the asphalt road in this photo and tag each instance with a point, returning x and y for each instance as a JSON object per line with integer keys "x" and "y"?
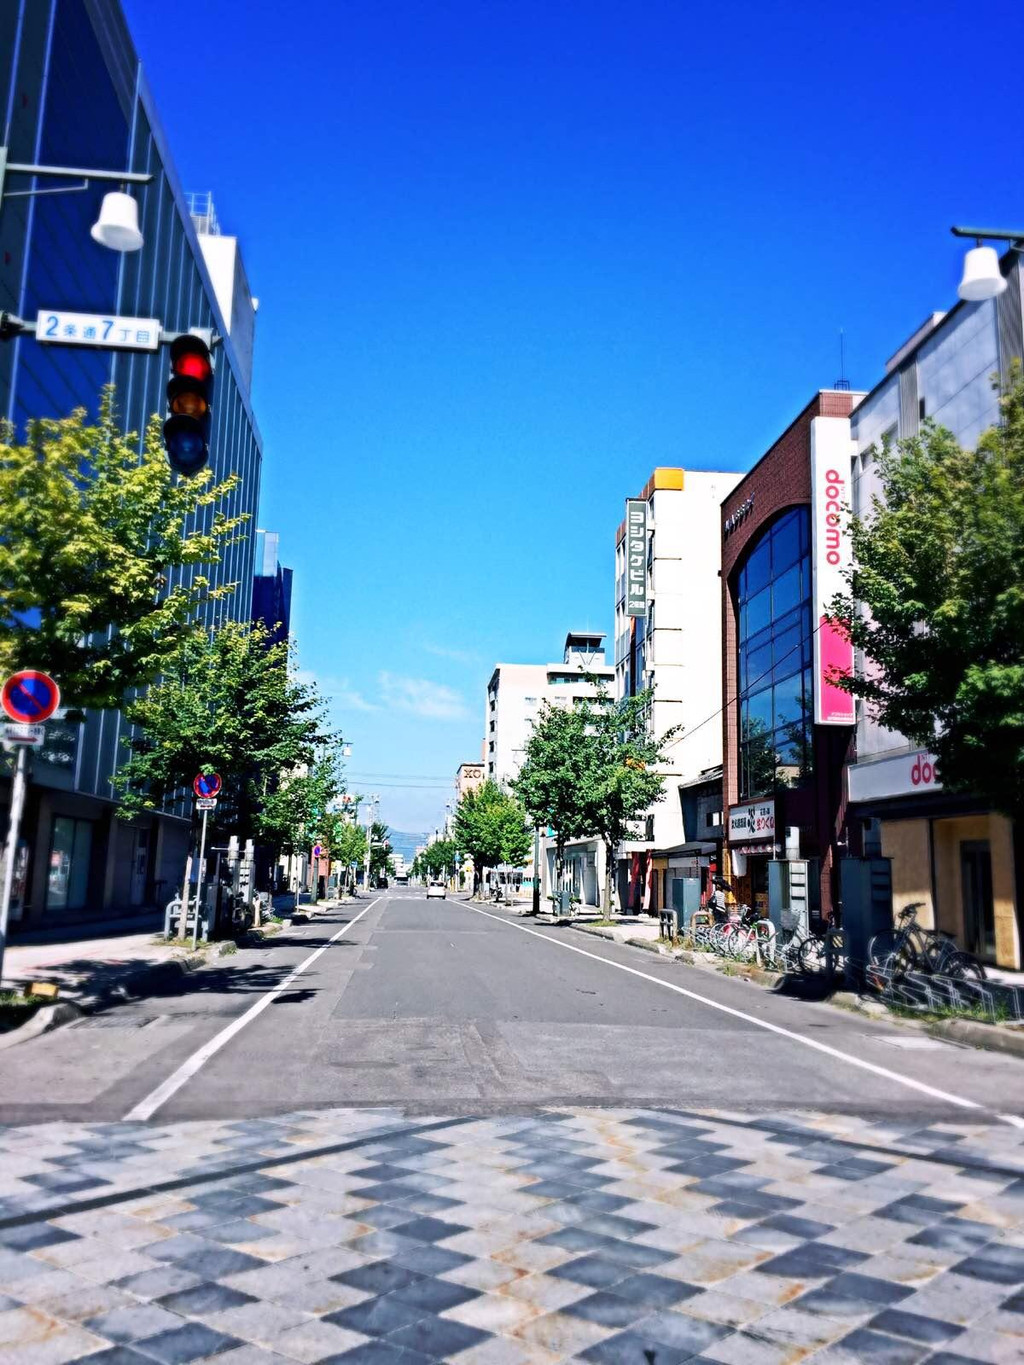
{"x": 443, "y": 1007}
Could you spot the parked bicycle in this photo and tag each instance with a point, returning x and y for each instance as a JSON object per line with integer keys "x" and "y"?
{"x": 910, "y": 947}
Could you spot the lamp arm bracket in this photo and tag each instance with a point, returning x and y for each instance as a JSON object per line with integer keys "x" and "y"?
{"x": 990, "y": 234}
{"x": 32, "y": 194}
{"x": 81, "y": 173}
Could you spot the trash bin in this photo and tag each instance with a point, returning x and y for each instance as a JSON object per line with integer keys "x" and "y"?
{"x": 564, "y": 902}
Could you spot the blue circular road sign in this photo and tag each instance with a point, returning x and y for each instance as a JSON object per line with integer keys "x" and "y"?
{"x": 29, "y": 697}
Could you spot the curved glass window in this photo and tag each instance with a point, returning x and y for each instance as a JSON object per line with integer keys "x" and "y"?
{"x": 776, "y": 710}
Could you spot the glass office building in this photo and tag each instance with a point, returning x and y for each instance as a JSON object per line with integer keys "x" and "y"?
{"x": 72, "y": 92}
{"x": 774, "y": 648}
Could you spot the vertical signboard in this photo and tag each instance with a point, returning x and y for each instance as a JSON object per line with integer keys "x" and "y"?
{"x": 831, "y": 449}
{"x": 636, "y": 557}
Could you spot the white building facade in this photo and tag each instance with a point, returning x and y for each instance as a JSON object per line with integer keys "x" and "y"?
{"x": 961, "y": 861}
{"x": 668, "y": 637}
{"x": 515, "y": 696}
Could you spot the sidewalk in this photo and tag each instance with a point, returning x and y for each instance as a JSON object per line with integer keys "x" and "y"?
{"x": 88, "y": 969}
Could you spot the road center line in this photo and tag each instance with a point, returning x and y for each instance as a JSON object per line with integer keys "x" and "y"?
{"x": 907, "y": 1081}
{"x": 146, "y": 1108}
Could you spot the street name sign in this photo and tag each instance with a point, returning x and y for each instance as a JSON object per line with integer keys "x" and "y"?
{"x": 28, "y": 697}
{"x": 55, "y": 326}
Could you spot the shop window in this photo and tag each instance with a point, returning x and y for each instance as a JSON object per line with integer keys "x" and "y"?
{"x": 774, "y": 648}
{"x": 68, "y": 874}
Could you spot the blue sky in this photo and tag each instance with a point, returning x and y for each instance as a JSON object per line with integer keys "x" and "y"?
{"x": 512, "y": 254}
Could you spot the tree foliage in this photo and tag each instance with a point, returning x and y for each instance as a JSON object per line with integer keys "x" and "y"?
{"x": 936, "y": 602}
{"x": 440, "y": 858}
{"x": 91, "y": 534}
{"x": 295, "y": 810}
{"x": 591, "y": 771}
{"x": 490, "y": 826}
{"x": 227, "y": 703}
{"x": 381, "y": 864}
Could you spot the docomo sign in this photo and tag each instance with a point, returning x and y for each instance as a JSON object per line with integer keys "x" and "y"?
{"x": 756, "y": 820}
{"x": 905, "y": 775}
{"x": 831, "y": 449}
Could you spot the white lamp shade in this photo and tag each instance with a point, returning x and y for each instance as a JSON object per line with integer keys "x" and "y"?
{"x": 982, "y": 277}
{"x": 118, "y": 224}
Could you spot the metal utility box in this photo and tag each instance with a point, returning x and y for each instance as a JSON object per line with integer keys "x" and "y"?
{"x": 865, "y": 888}
{"x": 794, "y": 893}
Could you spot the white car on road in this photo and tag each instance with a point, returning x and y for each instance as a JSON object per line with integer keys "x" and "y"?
{"x": 436, "y": 889}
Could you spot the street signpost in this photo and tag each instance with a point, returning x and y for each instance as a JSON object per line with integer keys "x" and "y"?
{"x": 55, "y": 325}
{"x": 29, "y": 698}
{"x": 207, "y": 788}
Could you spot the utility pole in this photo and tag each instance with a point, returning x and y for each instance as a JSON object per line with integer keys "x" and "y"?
{"x": 11, "y": 850}
{"x": 536, "y": 869}
{"x": 369, "y": 839}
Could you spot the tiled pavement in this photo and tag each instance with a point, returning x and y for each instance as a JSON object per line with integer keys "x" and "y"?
{"x": 599, "y": 1235}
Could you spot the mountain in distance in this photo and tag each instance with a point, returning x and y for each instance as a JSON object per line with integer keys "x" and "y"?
{"x": 405, "y": 843}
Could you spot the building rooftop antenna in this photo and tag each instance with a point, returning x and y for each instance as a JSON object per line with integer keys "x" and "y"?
{"x": 842, "y": 382}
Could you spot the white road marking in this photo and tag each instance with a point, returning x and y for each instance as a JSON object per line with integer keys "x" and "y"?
{"x": 146, "y": 1108}
{"x": 813, "y": 1043}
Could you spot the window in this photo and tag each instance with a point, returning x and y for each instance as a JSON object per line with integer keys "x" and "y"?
{"x": 774, "y": 646}
{"x": 67, "y": 882}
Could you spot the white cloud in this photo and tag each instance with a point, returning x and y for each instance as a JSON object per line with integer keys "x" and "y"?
{"x": 336, "y": 690}
{"x": 459, "y": 656}
{"x": 421, "y": 697}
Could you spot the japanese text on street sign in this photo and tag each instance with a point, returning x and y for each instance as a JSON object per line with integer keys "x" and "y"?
{"x": 95, "y": 329}
{"x": 13, "y": 733}
{"x": 29, "y": 697}
{"x": 206, "y": 803}
{"x": 636, "y": 558}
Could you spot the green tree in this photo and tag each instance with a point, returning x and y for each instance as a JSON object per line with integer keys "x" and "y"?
{"x": 591, "y": 771}
{"x": 346, "y": 839}
{"x": 295, "y": 809}
{"x": 441, "y": 858}
{"x": 553, "y": 781}
{"x": 226, "y": 703}
{"x": 490, "y": 826}
{"x": 91, "y": 532}
{"x": 623, "y": 779}
{"x": 936, "y": 602}
{"x": 380, "y": 850}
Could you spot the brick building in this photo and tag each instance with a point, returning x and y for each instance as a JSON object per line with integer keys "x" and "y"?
{"x": 785, "y": 735}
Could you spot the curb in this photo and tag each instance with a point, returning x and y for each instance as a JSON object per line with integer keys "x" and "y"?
{"x": 46, "y": 1018}
{"x": 50, "y": 1017}
{"x": 989, "y": 1037}
{"x": 966, "y": 1032}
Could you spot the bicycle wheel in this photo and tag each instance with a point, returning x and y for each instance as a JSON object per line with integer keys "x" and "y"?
{"x": 890, "y": 956}
{"x": 813, "y": 955}
{"x": 765, "y": 942}
{"x": 963, "y": 967}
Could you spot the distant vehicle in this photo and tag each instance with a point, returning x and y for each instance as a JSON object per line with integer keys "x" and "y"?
{"x": 436, "y": 890}
{"x": 382, "y": 883}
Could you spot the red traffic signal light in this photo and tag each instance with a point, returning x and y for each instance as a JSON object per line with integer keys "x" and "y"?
{"x": 189, "y": 395}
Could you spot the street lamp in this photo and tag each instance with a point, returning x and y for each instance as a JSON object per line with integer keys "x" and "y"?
{"x": 982, "y": 278}
{"x": 117, "y": 226}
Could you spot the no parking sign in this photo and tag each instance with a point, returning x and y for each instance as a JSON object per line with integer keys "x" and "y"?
{"x": 29, "y": 697}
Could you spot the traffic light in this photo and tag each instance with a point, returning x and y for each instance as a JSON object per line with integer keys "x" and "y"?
{"x": 189, "y": 395}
